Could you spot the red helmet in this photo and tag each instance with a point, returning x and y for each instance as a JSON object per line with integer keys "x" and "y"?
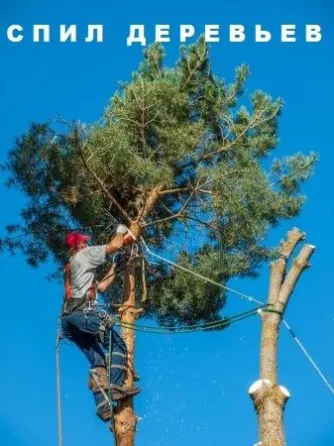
{"x": 74, "y": 239}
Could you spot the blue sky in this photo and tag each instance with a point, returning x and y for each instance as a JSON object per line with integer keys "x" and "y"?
{"x": 194, "y": 386}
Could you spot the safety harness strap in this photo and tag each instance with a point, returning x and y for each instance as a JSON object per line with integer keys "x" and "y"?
{"x": 90, "y": 293}
{"x": 68, "y": 281}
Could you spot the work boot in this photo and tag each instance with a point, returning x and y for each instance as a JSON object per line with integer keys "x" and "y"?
{"x": 98, "y": 378}
{"x": 103, "y": 410}
{"x": 98, "y": 383}
{"x": 121, "y": 393}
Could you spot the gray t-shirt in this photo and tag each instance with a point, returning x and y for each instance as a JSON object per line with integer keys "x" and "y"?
{"x": 83, "y": 267}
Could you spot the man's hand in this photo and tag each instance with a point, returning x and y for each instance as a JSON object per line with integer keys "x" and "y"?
{"x": 123, "y": 237}
{"x": 122, "y": 229}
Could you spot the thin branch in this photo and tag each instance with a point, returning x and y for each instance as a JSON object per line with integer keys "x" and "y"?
{"x": 162, "y": 220}
{"x": 219, "y": 177}
{"x": 174, "y": 191}
{"x": 144, "y": 284}
{"x": 203, "y": 191}
{"x": 298, "y": 169}
{"x": 205, "y": 223}
{"x": 101, "y": 183}
{"x": 179, "y": 214}
{"x": 197, "y": 65}
{"x": 252, "y": 124}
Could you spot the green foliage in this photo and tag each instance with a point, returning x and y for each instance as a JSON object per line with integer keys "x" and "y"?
{"x": 188, "y": 132}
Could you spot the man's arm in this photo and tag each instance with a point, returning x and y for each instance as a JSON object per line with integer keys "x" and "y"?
{"x": 107, "y": 280}
{"x": 117, "y": 242}
{"x": 96, "y": 255}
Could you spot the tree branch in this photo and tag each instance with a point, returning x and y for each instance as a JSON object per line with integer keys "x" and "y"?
{"x": 252, "y": 124}
{"x": 197, "y": 65}
{"x": 185, "y": 189}
{"x": 149, "y": 203}
{"x": 299, "y": 265}
{"x": 173, "y": 191}
{"x": 172, "y": 217}
{"x": 278, "y": 267}
{"x": 162, "y": 220}
{"x": 101, "y": 183}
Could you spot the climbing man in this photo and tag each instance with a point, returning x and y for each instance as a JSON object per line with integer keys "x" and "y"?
{"x": 83, "y": 324}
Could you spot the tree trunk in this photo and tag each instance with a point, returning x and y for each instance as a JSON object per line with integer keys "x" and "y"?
{"x": 125, "y": 418}
{"x": 270, "y": 398}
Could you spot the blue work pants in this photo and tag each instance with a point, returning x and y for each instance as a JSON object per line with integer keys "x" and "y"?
{"x": 82, "y": 328}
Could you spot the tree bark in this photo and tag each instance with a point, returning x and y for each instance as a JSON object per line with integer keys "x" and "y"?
{"x": 270, "y": 398}
{"x": 125, "y": 418}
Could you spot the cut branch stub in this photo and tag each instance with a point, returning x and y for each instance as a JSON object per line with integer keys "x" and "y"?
{"x": 290, "y": 281}
{"x": 264, "y": 388}
{"x": 278, "y": 267}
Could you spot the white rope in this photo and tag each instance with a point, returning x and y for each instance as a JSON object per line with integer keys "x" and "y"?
{"x": 59, "y": 405}
{"x": 100, "y": 388}
{"x": 108, "y": 399}
{"x": 308, "y": 356}
{"x": 250, "y": 299}
{"x": 200, "y": 276}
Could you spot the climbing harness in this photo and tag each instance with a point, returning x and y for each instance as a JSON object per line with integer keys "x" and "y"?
{"x": 106, "y": 322}
{"x": 86, "y": 304}
{"x": 134, "y": 252}
{"x": 90, "y": 293}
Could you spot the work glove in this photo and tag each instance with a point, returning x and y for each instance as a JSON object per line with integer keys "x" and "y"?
{"x": 122, "y": 229}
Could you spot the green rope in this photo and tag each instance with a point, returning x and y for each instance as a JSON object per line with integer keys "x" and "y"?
{"x": 151, "y": 330}
{"x": 272, "y": 310}
{"x": 193, "y": 328}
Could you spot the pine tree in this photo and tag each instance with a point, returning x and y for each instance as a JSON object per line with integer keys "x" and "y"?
{"x": 186, "y": 160}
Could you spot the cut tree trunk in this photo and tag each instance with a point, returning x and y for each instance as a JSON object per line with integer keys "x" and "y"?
{"x": 268, "y": 396}
{"x": 270, "y": 400}
{"x": 125, "y": 418}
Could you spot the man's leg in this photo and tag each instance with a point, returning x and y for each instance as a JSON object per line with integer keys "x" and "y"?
{"x": 86, "y": 335}
{"x": 118, "y": 363}
{"x": 118, "y": 356}
{"x": 98, "y": 377}
{"x": 99, "y": 384}
{"x": 89, "y": 346}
